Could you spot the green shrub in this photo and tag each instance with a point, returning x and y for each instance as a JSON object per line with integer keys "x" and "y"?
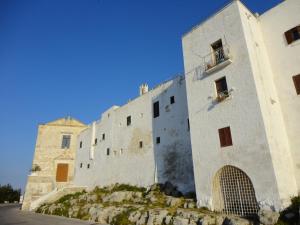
{"x": 295, "y": 203}
{"x": 292, "y": 209}
{"x": 122, "y": 218}
{"x": 127, "y": 187}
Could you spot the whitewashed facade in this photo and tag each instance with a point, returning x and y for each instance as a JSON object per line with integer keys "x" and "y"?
{"x": 258, "y": 104}
{"x": 228, "y": 129}
{"x": 117, "y": 149}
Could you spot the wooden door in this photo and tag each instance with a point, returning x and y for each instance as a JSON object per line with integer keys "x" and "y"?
{"x": 62, "y": 172}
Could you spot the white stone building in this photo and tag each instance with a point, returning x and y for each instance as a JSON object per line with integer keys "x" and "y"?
{"x": 145, "y": 141}
{"x": 228, "y": 129}
{"x": 244, "y": 107}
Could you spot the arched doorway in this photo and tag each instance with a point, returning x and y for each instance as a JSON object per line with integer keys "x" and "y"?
{"x": 233, "y": 192}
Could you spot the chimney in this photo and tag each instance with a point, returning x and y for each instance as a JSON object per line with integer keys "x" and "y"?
{"x": 143, "y": 89}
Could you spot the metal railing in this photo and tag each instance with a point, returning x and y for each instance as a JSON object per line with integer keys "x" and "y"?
{"x": 216, "y": 57}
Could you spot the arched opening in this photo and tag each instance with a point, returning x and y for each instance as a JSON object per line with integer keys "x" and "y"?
{"x": 233, "y": 192}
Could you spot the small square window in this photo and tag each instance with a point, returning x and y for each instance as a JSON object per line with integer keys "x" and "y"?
{"x": 222, "y": 89}
{"x": 141, "y": 144}
{"x": 128, "y": 120}
{"x": 172, "y": 99}
{"x": 88, "y": 166}
{"x": 66, "y": 140}
{"x": 292, "y": 34}
{"x": 225, "y": 137}
{"x": 103, "y": 136}
{"x": 296, "y": 80}
{"x": 107, "y": 151}
{"x": 80, "y": 144}
{"x": 157, "y": 140}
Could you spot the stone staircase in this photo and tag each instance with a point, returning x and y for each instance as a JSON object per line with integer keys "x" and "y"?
{"x": 54, "y": 195}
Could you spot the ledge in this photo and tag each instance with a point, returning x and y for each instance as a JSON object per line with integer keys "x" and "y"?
{"x": 219, "y": 66}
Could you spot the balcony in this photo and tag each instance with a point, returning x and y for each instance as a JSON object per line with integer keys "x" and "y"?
{"x": 217, "y": 60}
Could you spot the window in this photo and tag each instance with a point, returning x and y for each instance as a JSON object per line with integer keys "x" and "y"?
{"x": 80, "y": 144}
{"x": 188, "y": 124}
{"x": 172, "y": 99}
{"x": 218, "y": 52}
{"x": 128, "y": 120}
{"x": 88, "y": 166}
{"x": 296, "y": 80}
{"x": 141, "y": 144}
{"x": 157, "y": 140}
{"x": 80, "y": 165}
{"x": 103, "y": 136}
{"x": 222, "y": 90}
{"x": 66, "y": 139}
{"x": 96, "y": 140}
{"x": 107, "y": 151}
{"x": 225, "y": 137}
{"x": 292, "y": 34}
{"x": 156, "y": 109}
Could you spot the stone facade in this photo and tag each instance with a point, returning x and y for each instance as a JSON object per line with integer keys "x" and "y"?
{"x": 49, "y": 154}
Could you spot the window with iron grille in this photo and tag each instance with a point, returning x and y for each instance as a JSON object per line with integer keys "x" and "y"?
{"x": 66, "y": 140}
{"x": 218, "y": 52}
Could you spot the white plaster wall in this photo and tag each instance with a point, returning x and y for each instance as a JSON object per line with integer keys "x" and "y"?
{"x": 135, "y": 165}
{"x": 242, "y": 112}
{"x": 285, "y": 63}
{"x": 270, "y": 107}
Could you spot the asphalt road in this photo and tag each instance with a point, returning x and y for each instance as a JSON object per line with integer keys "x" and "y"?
{"x": 10, "y": 214}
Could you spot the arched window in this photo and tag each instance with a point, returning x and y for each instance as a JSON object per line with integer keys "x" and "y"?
{"x": 233, "y": 192}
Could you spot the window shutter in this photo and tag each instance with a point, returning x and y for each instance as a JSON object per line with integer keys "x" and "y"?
{"x": 225, "y": 137}
{"x": 222, "y": 137}
{"x": 289, "y": 36}
{"x": 296, "y": 80}
{"x": 228, "y": 136}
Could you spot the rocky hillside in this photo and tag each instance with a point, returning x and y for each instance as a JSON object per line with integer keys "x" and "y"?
{"x": 124, "y": 204}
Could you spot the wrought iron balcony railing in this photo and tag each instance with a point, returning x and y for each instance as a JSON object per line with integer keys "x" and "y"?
{"x": 218, "y": 58}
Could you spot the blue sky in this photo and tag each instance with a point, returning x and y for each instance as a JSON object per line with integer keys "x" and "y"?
{"x": 79, "y": 57}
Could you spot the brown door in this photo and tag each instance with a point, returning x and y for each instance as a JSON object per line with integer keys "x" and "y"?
{"x": 62, "y": 172}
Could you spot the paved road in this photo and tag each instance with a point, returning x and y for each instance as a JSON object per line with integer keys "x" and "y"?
{"x": 11, "y": 215}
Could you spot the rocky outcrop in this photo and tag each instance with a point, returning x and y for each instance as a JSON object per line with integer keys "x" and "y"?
{"x": 268, "y": 217}
{"x": 124, "y": 204}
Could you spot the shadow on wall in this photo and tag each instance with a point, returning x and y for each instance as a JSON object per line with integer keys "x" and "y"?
{"x": 171, "y": 137}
